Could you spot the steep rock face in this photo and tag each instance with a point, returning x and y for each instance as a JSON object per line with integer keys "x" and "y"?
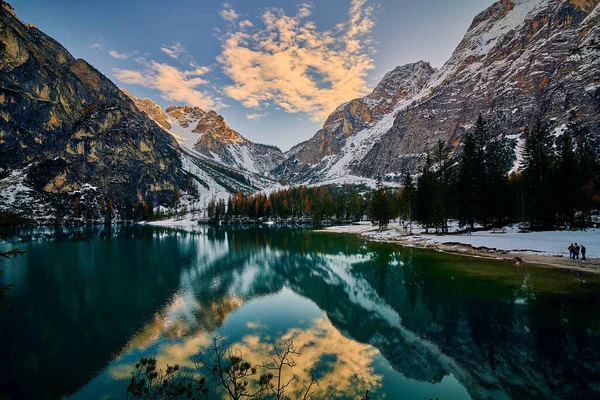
{"x": 66, "y": 125}
{"x": 327, "y": 154}
{"x": 150, "y": 108}
{"x": 520, "y": 60}
{"x": 207, "y": 134}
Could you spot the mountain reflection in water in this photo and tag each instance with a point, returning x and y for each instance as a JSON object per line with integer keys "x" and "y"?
{"x": 88, "y": 303}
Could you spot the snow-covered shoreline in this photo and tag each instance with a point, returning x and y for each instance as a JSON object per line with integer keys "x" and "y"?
{"x": 553, "y": 243}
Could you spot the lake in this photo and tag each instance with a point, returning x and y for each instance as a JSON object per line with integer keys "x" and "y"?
{"x": 88, "y": 303}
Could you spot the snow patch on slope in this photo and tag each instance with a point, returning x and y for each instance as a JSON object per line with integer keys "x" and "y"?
{"x": 488, "y": 34}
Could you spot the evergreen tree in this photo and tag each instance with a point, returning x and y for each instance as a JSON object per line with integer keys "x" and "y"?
{"x": 381, "y": 210}
{"x": 568, "y": 179}
{"x": 483, "y": 189}
{"x": 537, "y": 175}
{"x": 426, "y": 195}
{"x": 407, "y": 203}
{"x": 442, "y": 206}
{"x": 468, "y": 186}
{"x": 498, "y": 159}
{"x": 229, "y": 207}
{"x": 588, "y": 184}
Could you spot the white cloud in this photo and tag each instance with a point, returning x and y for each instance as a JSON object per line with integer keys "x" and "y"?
{"x": 289, "y": 63}
{"x": 174, "y": 84}
{"x": 121, "y": 56}
{"x": 96, "y": 46}
{"x": 255, "y": 116}
{"x": 305, "y": 10}
{"x": 228, "y": 13}
{"x": 173, "y": 51}
{"x": 244, "y": 24}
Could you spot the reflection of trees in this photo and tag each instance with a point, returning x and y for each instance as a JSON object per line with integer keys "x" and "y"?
{"x": 477, "y": 330}
{"x": 428, "y": 314}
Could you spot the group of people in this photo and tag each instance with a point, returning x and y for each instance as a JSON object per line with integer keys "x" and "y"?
{"x": 574, "y": 250}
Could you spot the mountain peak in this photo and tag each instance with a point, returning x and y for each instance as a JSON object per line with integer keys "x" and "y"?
{"x": 402, "y": 82}
{"x": 185, "y": 115}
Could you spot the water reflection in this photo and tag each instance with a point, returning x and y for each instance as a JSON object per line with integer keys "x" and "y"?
{"x": 369, "y": 316}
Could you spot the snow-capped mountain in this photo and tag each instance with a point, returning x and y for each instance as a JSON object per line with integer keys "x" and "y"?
{"x": 73, "y": 147}
{"x": 206, "y": 133}
{"x": 348, "y": 133}
{"x": 520, "y": 60}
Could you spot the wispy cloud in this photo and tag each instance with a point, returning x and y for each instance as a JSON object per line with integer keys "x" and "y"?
{"x": 173, "y": 51}
{"x": 228, "y": 13}
{"x": 255, "y": 116}
{"x": 174, "y": 84}
{"x": 121, "y": 56}
{"x": 96, "y": 46}
{"x": 287, "y": 62}
{"x": 245, "y": 24}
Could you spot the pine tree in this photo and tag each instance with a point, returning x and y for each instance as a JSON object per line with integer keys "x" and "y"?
{"x": 442, "y": 205}
{"x": 567, "y": 179}
{"x": 426, "y": 194}
{"x": 468, "y": 186}
{"x": 537, "y": 176}
{"x": 498, "y": 159}
{"x": 407, "y": 203}
{"x": 229, "y": 207}
{"x": 381, "y": 210}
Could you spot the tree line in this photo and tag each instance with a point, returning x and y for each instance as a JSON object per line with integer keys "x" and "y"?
{"x": 301, "y": 204}
{"x": 554, "y": 183}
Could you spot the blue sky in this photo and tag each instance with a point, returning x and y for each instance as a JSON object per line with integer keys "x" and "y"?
{"x": 273, "y": 69}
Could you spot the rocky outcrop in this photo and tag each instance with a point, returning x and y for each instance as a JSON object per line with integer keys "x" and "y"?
{"x": 520, "y": 60}
{"x": 66, "y": 125}
{"x": 150, "y": 108}
{"x": 207, "y": 134}
{"x": 325, "y": 154}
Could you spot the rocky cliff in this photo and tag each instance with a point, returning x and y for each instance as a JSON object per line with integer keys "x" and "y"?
{"x": 346, "y": 135}
{"x": 64, "y": 126}
{"x": 519, "y": 60}
{"x": 207, "y": 134}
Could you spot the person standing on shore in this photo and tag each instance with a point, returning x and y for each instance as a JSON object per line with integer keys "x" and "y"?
{"x": 583, "y": 253}
{"x": 571, "y": 252}
{"x": 576, "y": 252}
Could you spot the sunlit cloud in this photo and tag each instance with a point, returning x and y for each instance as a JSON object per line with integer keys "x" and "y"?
{"x": 350, "y": 371}
{"x": 121, "y": 56}
{"x": 173, "y": 51}
{"x": 254, "y": 116}
{"x": 228, "y": 13}
{"x": 174, "y": 84}
{"x": 285, "y": 61}
{"x": 244, "y": 24}
{"x": 96, "y": 46}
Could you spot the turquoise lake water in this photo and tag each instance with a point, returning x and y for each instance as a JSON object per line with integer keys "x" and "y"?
{"x": 88, "y": 303}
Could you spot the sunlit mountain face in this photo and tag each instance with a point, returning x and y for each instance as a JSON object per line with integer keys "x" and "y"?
{"x": 366, "y": 316}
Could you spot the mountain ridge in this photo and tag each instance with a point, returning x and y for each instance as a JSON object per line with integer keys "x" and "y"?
{"x": 207, "y": 133}
{"x": 518, "y": 61}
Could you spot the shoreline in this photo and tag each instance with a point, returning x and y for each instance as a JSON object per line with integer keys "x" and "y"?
{"x": 532, "y": 258}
